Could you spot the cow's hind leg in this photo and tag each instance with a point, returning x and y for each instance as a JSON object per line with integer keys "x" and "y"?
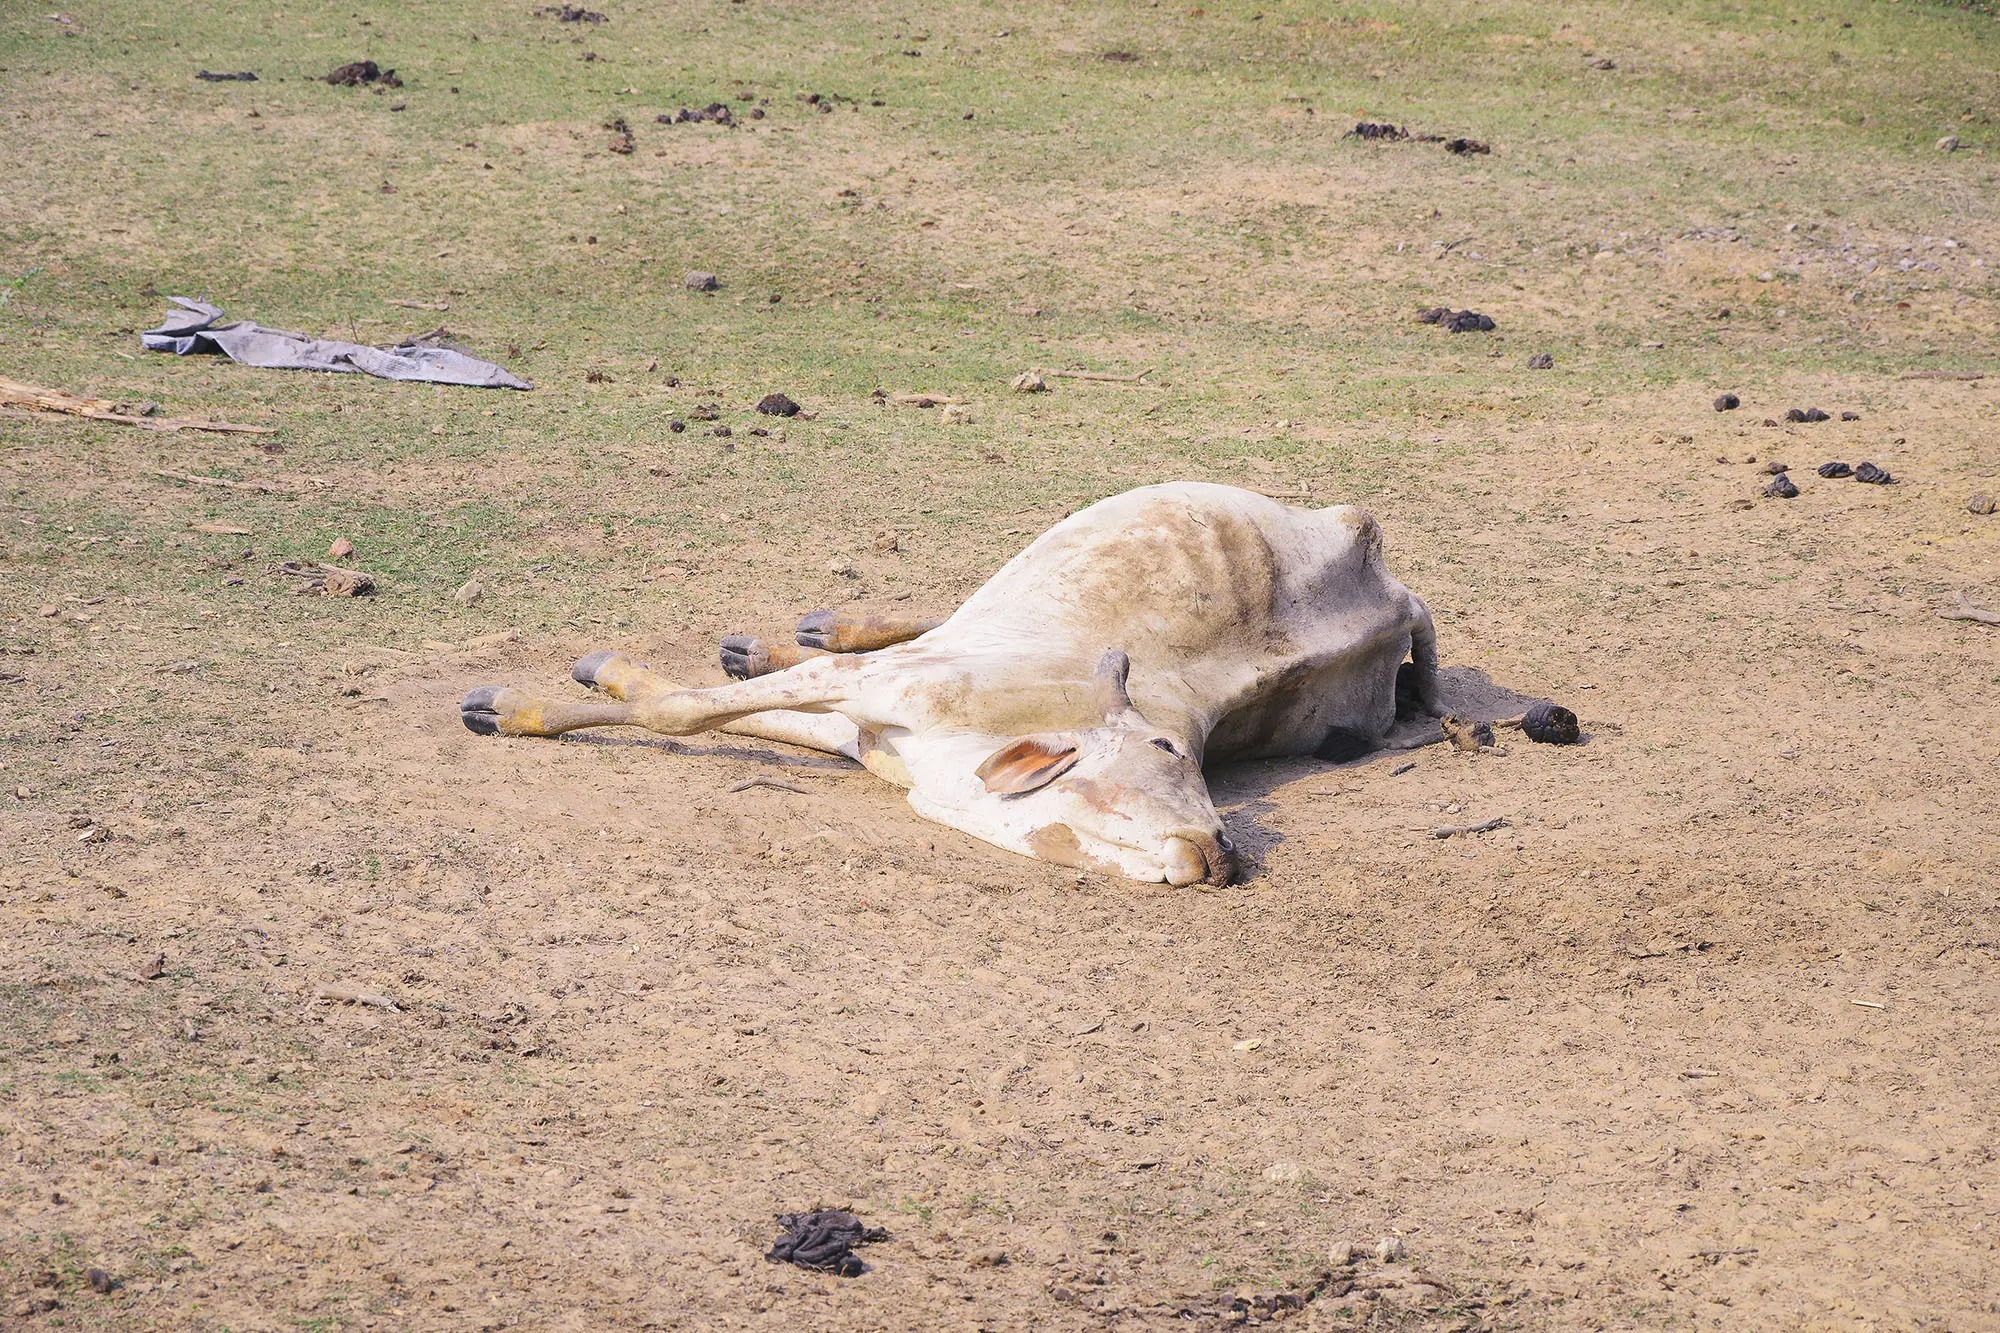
{"x": 745, "y": 656}
{"x": 862, "y": 629}
{"x": 850, "y": 629}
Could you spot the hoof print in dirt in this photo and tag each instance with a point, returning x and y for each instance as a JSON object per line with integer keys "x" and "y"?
{"x": 1872, "y": 475}
{"x": 480, "y": 711}
{"x": 1541, "y": 361}
{"x": 744, "y": 656}
{"x": 1728, "y": 402}
{"x": 1982, "y": 504}
{"x": 1782, "y": 488}
{"x": 824, "y": 1241}
{"x": 357, "y": 72}
{"x": 1835, "y": 470}
{"x": 777, "y": 405}
{"x": 1551, "y": 724}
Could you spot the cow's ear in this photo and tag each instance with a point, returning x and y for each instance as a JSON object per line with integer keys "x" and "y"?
{"x": 1031, "y": 762}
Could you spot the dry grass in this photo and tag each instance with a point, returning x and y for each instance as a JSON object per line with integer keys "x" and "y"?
{"x": 618, "y": 979}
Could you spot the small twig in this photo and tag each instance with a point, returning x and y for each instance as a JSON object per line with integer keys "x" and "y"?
{"x": 1869, "y": 1004}
{"x": 1401, "y": 769}
{"x": 1942, "y": 375}
{"x": 1460, "y": 830}
{"x": 223, "y": 482}
{"x": 925, "y": 400}
{"x": 1446, "y": 247}
{"x": 1724, "y": 1254}
{"x": 346, "y": 992}
{"x": 421, "y": 305}
{"x": 1100, "y": 376}
{"x": 772, "y": 783}
{"x": 1963, "y": 609}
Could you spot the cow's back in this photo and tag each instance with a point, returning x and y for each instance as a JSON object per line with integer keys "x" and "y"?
{"x": 1220, "y": 596}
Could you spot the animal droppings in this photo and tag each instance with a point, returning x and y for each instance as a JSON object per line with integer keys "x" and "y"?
{"x": 357, "y": 72}
{"x": 1872, "y": 475}
{"x": 1728, "y": 402}
{"x": 824, "y": 1241}
{"x": 1369, "y": 129}
{"x": 1835, "y": 470}
{"x": 1782, "y": 488}
{"x": 715, "y": 113}
{"x": 1850, "y": 416}
{"x": 777, "y": 405}
{"x": 1456, "y": 321}
{"x": 1541, "y": 361}
{"x": 1551, "y": 724}
{"x": 701, "y": 282}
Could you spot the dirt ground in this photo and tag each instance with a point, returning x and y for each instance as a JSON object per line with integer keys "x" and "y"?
{"x": 1702, "y": 1036}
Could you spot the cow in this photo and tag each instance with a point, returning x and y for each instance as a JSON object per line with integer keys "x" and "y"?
{"x": 1066, "y": 709}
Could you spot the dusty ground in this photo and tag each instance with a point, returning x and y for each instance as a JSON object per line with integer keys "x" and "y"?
{"x": 1703, "y": 1036}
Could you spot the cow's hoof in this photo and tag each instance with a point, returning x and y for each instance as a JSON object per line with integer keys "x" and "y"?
{"x": 819, "y": 629}
{"x": 586, "y": 668}
{"x": 744, "y": 656}
{"x": 481, "y": 710}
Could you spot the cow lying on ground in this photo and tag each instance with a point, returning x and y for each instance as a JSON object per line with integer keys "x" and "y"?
{"x": 1066, "y": 709}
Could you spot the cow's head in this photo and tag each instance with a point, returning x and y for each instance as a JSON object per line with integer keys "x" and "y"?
{"x": 1121, "y": 796}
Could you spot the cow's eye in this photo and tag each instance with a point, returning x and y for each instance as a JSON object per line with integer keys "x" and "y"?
{"x": 1163, "y": 743}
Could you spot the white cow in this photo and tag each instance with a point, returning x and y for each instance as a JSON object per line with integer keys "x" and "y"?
{"x": 1066, "y": 709}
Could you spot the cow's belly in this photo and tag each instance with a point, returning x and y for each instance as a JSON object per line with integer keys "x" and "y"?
{"x": 1294, "y": 712}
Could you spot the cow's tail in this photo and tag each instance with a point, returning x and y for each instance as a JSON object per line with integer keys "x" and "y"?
{"x": 1424, "y": 657}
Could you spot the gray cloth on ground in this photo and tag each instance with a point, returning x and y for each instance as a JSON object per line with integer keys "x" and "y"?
{"x": 194, "y": 328}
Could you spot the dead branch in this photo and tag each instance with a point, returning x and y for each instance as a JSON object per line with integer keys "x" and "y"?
{"x": 772, "y": 783}
{"x": 1963, "y": 609}
{"x": 346, "y": 992}
{"x": 14, "y": 393}
{"x": 224, "y": 482}
{"x": 1099, "y": 376}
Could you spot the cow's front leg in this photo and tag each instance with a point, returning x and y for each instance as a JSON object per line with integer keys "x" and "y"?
{"x": 652, "y": 702}
{"x": 501, "y": 710}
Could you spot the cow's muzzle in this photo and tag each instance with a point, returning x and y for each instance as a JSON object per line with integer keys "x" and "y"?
{"x": 1199, "y": 858}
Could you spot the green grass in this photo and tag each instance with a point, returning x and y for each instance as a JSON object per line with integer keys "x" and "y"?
{"x": 1196, "y": 209}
